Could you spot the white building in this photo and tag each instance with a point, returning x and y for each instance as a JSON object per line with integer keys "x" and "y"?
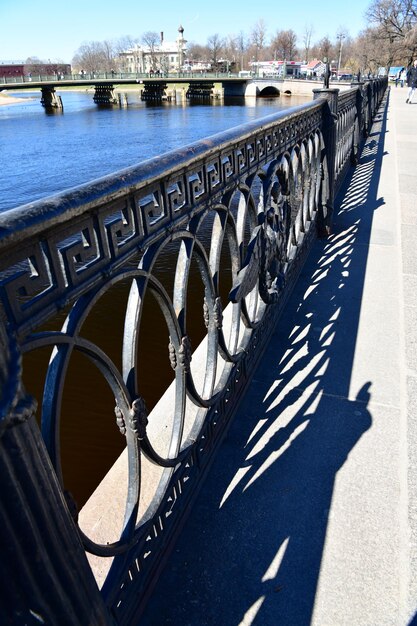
{"x": 159, "y": 57}
{"x": 314, "y": 68}
{"x": 281, "y": 69}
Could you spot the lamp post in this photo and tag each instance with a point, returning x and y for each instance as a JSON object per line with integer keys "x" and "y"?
{"x": 326, "y": 73}
{"x": 340, "y": 37}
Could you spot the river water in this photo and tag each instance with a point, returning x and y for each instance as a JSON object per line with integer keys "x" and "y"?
{"x": 42, "y": 154}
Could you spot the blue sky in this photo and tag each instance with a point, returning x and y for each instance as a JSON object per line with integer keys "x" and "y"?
{"x": 54, "y": 30}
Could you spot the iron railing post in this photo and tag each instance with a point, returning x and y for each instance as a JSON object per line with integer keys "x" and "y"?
{"x": 359, "y": 125}
{"x": 369, "y": 108}
{"x": 359, "y": 104}
{"x": 46, "y": 577}
{"x": 325, "y": 217}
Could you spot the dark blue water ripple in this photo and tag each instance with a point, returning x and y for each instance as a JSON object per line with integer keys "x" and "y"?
{"x": 43, "y": 154}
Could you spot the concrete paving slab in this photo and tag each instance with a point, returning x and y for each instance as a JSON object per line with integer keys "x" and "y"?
{"x": 411, "y": 332}
{"x": 409, "y": 242}
{"x": 410, "y": 290}
{"x": 404, "y": 121}
{"x": 408, "y": 208}
{"x": 309, "y": 514}
{"x": 273, "y": 526}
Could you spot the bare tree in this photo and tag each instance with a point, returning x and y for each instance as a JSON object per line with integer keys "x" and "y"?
{"x": 397, "y": 22}
{"x": 215, "y": 46}
{"x": 285, "y": 45}
{"x": 258, "y": 34}
{"x": 396, "y": 17}
{"x": 108, "y": 56}
{"x": 231, "y": 50}
{"x": 392, "y": 39}
{"x": 92, "y": 56}
{"x": 36, "y": 66}
{"x": 325, "y": 48}
{"x": 196, "y": 52}
{"x": 152, "y": 40}
{"x": 307, "y": 35}
{"x": 371, "y": 52}
{"x": 410, "y": 43}
{"x": 124, "y": 43}
{"x": 242, "y": 46}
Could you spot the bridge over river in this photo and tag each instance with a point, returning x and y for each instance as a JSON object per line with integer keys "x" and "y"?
{"x": 113, "y": 91}
{"x": 274, "y": 482}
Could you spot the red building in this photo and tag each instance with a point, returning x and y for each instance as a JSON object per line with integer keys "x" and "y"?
{"x": 16, "y": 69}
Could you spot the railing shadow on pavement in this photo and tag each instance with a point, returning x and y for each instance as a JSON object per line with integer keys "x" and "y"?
{"x": 251, "y": 551}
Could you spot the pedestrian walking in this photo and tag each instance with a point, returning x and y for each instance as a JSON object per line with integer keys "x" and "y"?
{"x": 412, "y": 81}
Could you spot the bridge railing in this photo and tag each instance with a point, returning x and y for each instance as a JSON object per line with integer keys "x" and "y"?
{"x": 216, "y": 232}
{"x": 114, "y": 76}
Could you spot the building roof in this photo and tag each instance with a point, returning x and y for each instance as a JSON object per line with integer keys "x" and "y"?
{"x": 311, "y": 65}
{"x": 166, "y": 47}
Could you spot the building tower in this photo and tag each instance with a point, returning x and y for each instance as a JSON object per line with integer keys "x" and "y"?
{"x": 181, "y": 46}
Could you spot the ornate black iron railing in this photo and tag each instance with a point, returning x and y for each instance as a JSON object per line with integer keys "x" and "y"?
{"x": 239, "y": 209}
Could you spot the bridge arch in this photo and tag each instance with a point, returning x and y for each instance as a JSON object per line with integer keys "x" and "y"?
{"x": 263, "y": 88}
{"x": 268, "y": 92}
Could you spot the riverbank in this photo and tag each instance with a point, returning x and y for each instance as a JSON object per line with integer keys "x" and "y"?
{"x": 7, "y": 99}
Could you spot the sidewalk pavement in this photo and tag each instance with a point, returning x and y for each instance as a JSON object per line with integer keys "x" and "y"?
{"x": 309, "y": 513}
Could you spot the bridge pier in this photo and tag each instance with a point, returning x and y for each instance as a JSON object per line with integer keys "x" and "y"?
{"x": 122, "y": 100}
{"x": 50, "y": 100}
{"x": 200, "y": 91}
{"x": 153, "y": 91}
{"x": 104, "y": 95}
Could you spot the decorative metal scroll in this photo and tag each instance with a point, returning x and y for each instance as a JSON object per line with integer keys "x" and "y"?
{"x": 252, "y": 193}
